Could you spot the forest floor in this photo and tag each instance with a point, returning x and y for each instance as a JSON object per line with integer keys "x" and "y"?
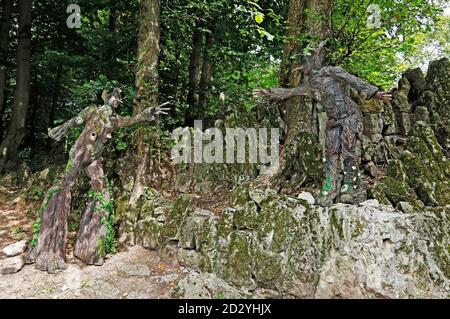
{"x": 134, "y": 272}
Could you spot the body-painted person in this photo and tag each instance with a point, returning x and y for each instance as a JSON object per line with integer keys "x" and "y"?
{"x": 344, "y": 125}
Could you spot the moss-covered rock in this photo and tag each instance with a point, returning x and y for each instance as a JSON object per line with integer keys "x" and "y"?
{"x": 427, "y": 168}
{"x": 147, "y": 233}
{"x": 183, "y": 205}
{"x": 396, "y": 191}
{"x": 191, "y": 230}
{"x": 247, "y": 217}
{"x": 235, "y": 263}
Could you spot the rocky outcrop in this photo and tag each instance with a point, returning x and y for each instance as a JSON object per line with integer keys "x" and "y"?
{"x": 394, "y": 245}
{"x": 420, "y": 175}
{"x": 285, "y": 245}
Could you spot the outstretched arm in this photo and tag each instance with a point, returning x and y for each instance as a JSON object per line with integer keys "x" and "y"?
{"x": 280, "y": 94}
{"x": 362, "y": 86}
{"x": 57, "y": 133}
{"x": 145, "y": 116}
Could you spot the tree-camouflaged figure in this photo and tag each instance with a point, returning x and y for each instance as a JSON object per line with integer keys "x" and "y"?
{"x": 48, "y": 251}
{"x": 344, "y": 126}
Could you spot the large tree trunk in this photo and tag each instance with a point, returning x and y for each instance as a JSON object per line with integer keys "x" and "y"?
{"x": 300, "y": 159}
{"x": 16, "y": 127}
{"x": 195, "y": 66}
{"x": 5, "y": 26}
{"x": 147, "y": 84}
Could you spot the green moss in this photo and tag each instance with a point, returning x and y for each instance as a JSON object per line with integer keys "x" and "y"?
{"x": 268, "y": 269}
{"x": 240, "y": 196}
{"x": 246, "y": 217}
{"x": 237, "y": 259}
{"x": 147, "y": 233}
{"x": 397, "y": 191}
{"x": 396, "y": 170}
{"x": 377, "y": 192}
{"x": 336, "y": 223}
{"x": 69, "y": 165}
{"x": 181, "y": 208}
{"x": 427, "y": 168}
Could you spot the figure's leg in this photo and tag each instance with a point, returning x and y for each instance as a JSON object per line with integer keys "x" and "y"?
{"x": 351, "y": 129}
{"x": 90, "y": 244}
{"x": 48, "y": 247}
{"x": 332, "y": 164}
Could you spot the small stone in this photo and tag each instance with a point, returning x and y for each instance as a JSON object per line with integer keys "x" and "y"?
{"x": 15, "y": 249}
{"x": 371, "y": 203}
{"x": 308, "y": 197}
{"x": 11, "y": 265}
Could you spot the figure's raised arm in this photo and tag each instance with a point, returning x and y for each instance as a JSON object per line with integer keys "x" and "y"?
{"x": 57, "y": 133}
{"x": 358, "y": 84}
{"x": 147, "y": 115}
{"x": 280, "y": 94}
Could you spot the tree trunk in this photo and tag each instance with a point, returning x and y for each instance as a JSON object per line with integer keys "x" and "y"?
{"x": 147, "y": 84}
{"x": 300, "y": 159}
{"x": 195, "y": 67}
{"x": 16, "y": 127}
{"x": 5, "y": 26}
{"x": 206, "y": 77}
{"x": 55, "y": 98}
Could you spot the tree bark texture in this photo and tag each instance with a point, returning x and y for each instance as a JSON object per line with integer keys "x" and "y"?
{"x": 195, "y": 67}
{"x": 147, "y": 84}
{"x": 16, "y": 128}
{"x": 300, "y": 158}
{"x": 206, "y": 77}
{"x": 5, "y": 26}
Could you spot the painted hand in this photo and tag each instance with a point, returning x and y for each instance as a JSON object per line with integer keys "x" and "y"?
{"x": 380, "y": 95}
{"x": 152, "y": 111}
{"x": 261, "y": 93}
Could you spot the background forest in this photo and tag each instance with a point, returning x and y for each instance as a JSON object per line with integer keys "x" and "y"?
{"x": 211, "y": 55}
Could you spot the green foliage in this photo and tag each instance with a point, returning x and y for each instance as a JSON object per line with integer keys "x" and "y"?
{"x": 70, "y": 67}
{"x": 106, "y": 205}
{"x": 381, "y": 54}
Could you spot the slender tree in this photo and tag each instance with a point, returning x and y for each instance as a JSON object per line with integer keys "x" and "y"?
{"x": 5, "y": 26}
{"x": 147, "y": 84}
{"x": 206, "y": 77}
{"x": 16, "y": 128}
{"x": 195, "y": 67}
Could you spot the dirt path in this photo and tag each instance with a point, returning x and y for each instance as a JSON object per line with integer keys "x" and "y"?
{"x": 136, "y": 273}
{"x": 15, "y": 221}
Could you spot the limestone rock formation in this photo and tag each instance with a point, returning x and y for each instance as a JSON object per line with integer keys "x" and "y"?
{"x": 299, "y": 250}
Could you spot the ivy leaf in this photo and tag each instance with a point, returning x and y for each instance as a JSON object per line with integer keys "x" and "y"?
{"x": 259, "y": 17}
